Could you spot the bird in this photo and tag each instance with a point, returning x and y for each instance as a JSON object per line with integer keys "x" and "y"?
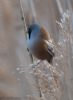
{"x": 38, "y": 43}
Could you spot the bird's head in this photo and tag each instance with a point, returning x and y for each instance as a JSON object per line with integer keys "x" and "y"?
{"x": 33, "y": 27}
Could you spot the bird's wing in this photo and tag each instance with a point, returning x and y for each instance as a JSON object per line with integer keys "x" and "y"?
{"x": 49, "y": 47}
{"x": 46, "y": 38}
{"x": 44, "y": 34}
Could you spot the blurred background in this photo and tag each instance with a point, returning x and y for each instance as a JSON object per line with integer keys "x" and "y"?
{"x": 15, "y": 78}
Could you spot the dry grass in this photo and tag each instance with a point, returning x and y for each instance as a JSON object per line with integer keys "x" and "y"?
{"x": 53, "y": 82}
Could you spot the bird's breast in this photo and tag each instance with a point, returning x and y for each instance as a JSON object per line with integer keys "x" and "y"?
{"x": 36, "y": 47}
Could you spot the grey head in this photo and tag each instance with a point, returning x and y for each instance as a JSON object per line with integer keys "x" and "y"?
{"x": 35, "y": 28}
